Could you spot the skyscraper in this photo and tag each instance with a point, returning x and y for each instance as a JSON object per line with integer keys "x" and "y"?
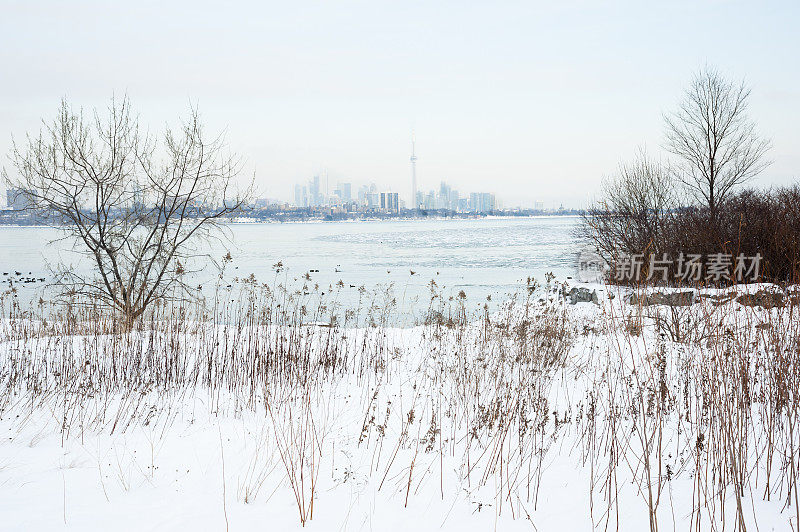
{"x": 414, "y": 205}
{"x": 481, "y": 202}
{"x": 314, "y": 196}
{"x": 300, "y": 196}
{"x": 390, "y": 202}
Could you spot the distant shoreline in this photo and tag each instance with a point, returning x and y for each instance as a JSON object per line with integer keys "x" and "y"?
{"x": 402, "y": 219}
{"x": 314, "y": 220}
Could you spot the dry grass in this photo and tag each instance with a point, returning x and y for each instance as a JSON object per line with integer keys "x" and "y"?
{"x": 640, "y": 398}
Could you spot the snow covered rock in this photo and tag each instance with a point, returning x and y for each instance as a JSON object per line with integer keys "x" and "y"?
{"x": 764, "y": 298}
{"x": 580, "y": 294}
{"x": 718, "y": 299}
{"x": 671, "y": 299}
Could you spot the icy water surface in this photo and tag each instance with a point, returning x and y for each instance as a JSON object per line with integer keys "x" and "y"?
{"x": 482, "y": 257}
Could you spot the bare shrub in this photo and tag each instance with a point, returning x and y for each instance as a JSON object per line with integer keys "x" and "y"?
{"x": 629, "y": 218}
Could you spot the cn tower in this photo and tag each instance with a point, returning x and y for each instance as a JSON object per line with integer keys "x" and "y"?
{"x": 413, "y": 203}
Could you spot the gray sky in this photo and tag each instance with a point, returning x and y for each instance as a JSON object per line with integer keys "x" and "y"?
{"x": 533, "y": 101}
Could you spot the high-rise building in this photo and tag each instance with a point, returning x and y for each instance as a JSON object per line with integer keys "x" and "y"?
{"x": 414, "y": 204}
{"x": 443, "y": 199}
{"x": 481, "y": 202}
{"x": 430, "y": 201}
{"x": 300, "y": 196}
{"x": 454, "y": 197}
{"x": 343, "y": 191}
{"x": 373, "y": 200}
{"x": 390, "y": 202}
{"x": 368, "y": 197}
{"x": 314, "y": 195}
{"x": 363, "y": 190}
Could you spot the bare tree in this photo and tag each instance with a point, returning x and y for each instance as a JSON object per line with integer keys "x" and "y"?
{"x": 714, "y": 139}
{"x": 629, "y": 218}
{"x": 137, "y": 206}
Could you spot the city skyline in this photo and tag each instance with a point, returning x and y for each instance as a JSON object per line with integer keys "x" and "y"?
{"x": 541, "y": 101}
{"x": 370, "y": 197}
{"x": 313, "y": 195}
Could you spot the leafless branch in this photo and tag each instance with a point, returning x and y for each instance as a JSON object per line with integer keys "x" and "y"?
{"x": 714, "y": 139}
{"x": 135, "y": 207}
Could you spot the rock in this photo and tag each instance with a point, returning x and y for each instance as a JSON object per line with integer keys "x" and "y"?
{"x": 670, "y": 299}
{"x": 582, "y": 295}
{"x": 763, "y": 298}
{"x": 719, "y": 299}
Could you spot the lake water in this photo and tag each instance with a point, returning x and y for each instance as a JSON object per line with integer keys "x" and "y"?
{"x": 482, "y": 257}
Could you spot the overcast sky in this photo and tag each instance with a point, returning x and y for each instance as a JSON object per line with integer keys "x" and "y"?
{"x": 533, "y": 101}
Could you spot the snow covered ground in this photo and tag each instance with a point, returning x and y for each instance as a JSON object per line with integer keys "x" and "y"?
{"x": 543, "y": 416}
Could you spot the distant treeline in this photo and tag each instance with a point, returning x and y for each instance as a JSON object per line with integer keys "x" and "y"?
{"x": 27, "y": 218}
